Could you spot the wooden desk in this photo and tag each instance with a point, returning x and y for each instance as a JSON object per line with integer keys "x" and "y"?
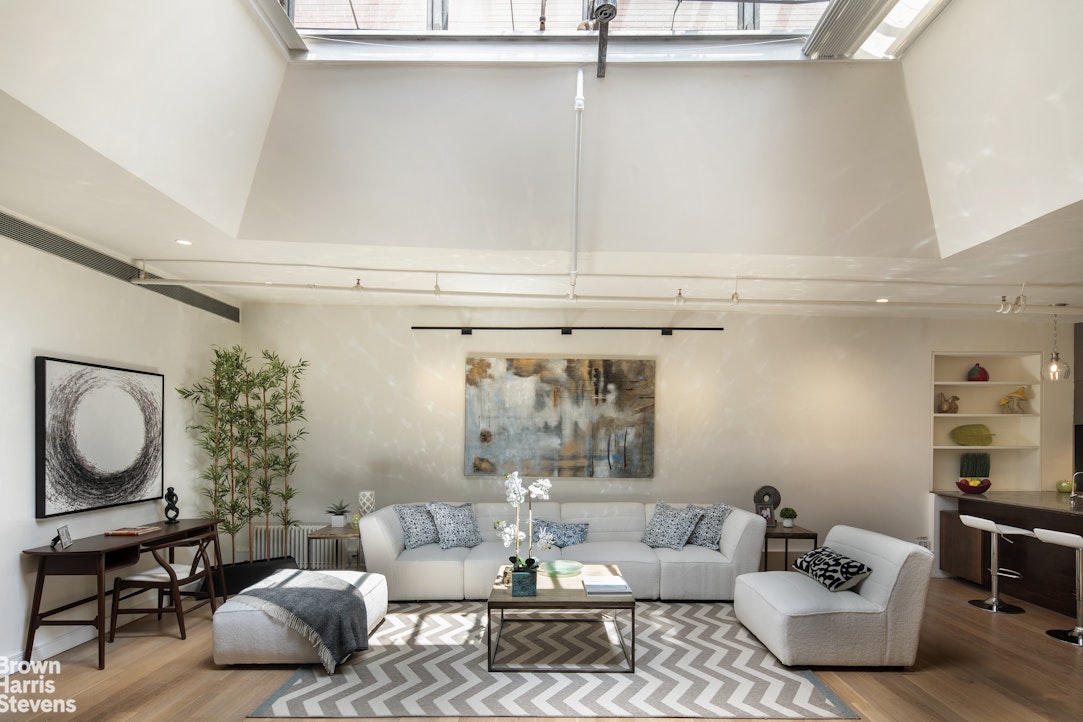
{"x": 785, "y": 534}
{"x": 95, "y": 556}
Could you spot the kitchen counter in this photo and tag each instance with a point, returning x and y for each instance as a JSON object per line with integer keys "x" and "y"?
{"x": 1051, "y": 501}
{"x": 1048, "y": 570}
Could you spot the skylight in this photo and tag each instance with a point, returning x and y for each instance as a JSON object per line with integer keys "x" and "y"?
{"x": 827, "y": 29}
{"x": 503, "y": 17}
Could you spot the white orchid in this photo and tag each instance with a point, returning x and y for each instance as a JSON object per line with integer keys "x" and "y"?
{"x": 509, "y": 534}
{"x": 546, "y": 538}
{"x": 540, "y": 489}
{"x": 513, "y": 487}
{"x": 516, "y": 495}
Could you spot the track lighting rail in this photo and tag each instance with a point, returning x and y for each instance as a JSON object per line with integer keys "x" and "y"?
{"x": 566, "y": 330}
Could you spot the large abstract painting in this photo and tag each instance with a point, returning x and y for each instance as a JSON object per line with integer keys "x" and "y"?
{"x": 99, "y": 436}
{"x": 560, "y": 417}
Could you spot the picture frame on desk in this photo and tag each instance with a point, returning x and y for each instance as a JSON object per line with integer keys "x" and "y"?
{"x": 99, "y": 436}
{"x": 63, "y": 537}
{"x": 767, "y": 511}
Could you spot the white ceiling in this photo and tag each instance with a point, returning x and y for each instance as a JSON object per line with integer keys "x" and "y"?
{"x": 806, "y": 181}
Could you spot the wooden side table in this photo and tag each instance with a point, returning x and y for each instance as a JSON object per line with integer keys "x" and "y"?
{"x": 786, "y": 534}
{"x": 337, "y": 534}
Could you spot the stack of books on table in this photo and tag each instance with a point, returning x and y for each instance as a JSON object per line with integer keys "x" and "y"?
{"x": 606, "y": 584}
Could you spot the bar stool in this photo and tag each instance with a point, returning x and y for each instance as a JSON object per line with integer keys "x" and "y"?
{"x": 1073, "y": 541}
{"x": 994, "y": 603}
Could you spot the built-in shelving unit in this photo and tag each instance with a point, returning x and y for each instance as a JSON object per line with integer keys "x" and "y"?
{"x": 1015, "y": 453}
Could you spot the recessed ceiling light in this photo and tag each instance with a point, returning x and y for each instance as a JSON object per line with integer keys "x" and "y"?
{"x": 881, "y": 300}
{"x": 182, "y": 242}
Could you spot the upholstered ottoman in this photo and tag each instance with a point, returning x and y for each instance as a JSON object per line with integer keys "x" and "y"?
{"x": 247, "y": 635}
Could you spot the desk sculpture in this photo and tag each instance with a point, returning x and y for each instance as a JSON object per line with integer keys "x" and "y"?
{"x": 171, "y": 510}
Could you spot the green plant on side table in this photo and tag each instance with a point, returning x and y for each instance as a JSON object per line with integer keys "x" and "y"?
{"x": 338, "y": 513}
{"x": 787, "y": 514}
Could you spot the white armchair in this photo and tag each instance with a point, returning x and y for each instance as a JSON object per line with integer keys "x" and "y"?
{"x": 876, "y": 623}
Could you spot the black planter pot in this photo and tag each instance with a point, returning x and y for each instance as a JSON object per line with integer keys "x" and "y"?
{"x": 244, "y": 574}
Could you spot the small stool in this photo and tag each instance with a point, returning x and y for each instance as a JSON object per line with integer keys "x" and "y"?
{"x": 994, "y": 603}
{"x": 1072, "y": 541}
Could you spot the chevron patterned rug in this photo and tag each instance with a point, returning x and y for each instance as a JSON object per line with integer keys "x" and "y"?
{"x": 693, "y": 660}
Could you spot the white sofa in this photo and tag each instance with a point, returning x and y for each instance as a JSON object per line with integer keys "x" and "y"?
{"x": 876, "y": 623}
{"x": 694, "y": 572}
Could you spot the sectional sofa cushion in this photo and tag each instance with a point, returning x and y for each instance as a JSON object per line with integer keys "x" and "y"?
{"x": 708, "y": 529}
{"x": 671, "y": 526}
{"x": 456, "y": 525}
{"x": 564, "y": 535}
{"x": 418, "y": 527}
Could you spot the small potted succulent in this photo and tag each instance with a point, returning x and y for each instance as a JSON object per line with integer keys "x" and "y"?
{"x": 787, "y": 514}
{"x": 338, "y": 513}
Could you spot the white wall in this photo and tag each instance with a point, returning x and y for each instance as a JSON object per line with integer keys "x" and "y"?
{"x": 52, "y": 307}
{"x": 181, "y": 100}
{"x": 834, "y": 412}
{"x": 997, "y": 116}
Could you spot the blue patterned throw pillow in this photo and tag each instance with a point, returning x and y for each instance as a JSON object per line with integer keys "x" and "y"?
{"x": 670, "y": 526}
{"x": 833, "y": 570}
{"x": 708, "y": 529}
{"x": 456, "y": 525}
{"x": 564, "y": 535}
{"x": 418, "y": 528}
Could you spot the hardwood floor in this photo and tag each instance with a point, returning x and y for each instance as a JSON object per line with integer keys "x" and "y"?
{"x": 972, "y": 665}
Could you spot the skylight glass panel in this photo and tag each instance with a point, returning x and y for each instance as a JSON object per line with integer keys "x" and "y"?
{"x": 500, "y": 17}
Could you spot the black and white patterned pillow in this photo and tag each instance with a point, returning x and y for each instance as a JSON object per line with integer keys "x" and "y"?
{"x": 418, "y": 528}
{"x": 671, "y": 526}
{"x": 456, "y": 525}
{"x": 708, "y": 530}
{"x": 564, "y": 535}
{"x": 833, "y": 570}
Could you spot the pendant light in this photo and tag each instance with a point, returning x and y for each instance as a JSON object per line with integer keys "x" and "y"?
{"x": 1055, "y": 369}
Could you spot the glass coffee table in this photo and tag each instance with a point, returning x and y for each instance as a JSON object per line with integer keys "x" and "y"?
{"x": 560, "y": 600}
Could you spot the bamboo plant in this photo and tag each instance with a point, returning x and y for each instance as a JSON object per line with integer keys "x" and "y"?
{"x": 246, "y": 416}
{"x": 287, "y": 411}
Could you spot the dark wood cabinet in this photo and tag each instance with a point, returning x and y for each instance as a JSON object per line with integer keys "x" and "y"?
{"x": 964, "y": 552}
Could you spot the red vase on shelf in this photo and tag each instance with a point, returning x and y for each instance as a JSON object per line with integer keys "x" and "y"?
{"x": 977, "y": 373}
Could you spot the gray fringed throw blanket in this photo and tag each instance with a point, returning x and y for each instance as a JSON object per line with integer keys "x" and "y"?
{"x": 328, "y": 611}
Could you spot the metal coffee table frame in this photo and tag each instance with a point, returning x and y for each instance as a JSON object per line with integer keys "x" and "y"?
{"x": 561, "y": 594}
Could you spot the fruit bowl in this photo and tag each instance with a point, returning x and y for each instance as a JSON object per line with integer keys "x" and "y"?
{"x": 967, "y": 487}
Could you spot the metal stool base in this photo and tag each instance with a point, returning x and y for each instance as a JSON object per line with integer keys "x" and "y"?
{"x": 996, "y": 605}
{"x": 1071, "y": 636}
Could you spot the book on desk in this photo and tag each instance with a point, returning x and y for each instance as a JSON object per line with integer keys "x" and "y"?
{"x": 132, "y": 530}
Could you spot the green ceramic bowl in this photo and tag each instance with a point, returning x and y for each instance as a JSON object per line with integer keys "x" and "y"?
{"x": 560, "y": 568}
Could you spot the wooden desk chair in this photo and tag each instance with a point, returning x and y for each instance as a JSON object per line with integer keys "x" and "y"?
{"x": 170, "y": 577}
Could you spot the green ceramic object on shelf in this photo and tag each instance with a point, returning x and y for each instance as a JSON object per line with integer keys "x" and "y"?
{"x": 972, "y": 435}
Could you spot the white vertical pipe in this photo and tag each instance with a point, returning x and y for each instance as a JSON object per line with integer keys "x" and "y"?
{"x": 580, "y": 103}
